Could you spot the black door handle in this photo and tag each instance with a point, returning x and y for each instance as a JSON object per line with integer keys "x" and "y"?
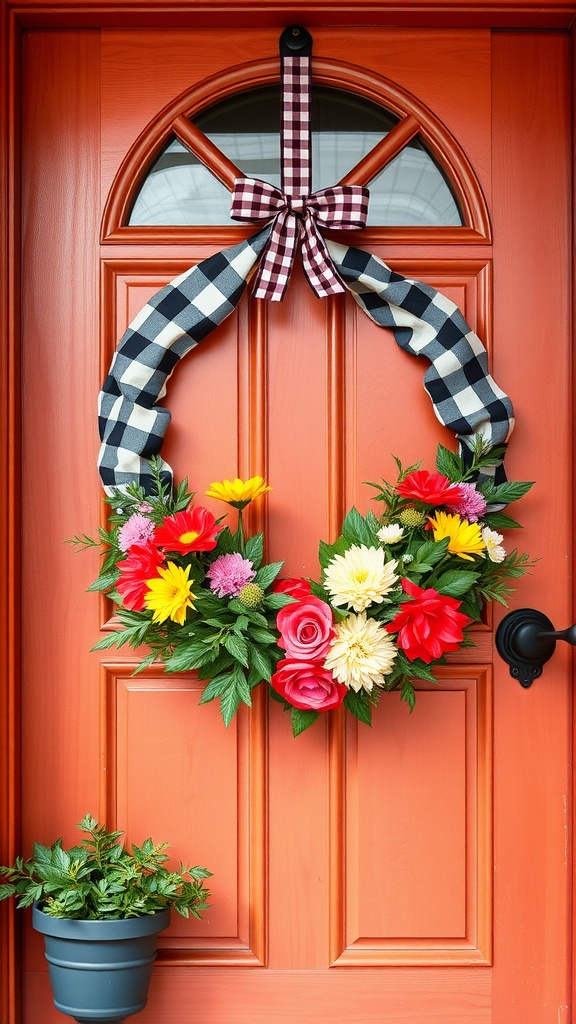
{"x": 526, "y": 640}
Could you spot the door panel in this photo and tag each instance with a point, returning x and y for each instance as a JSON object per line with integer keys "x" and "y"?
{"x": 413, "y": 872}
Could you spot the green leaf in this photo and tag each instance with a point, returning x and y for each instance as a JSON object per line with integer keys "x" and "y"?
{"x": 254, "y": 550}
{"x": 326, "y": 552}
{"x": 216, "y": 687}
{"x": 454, "y": 583}
{"x": 506, "y": 492}
{"x": 277, "y": 601}
{"x": 407, "y": 694}
{"x": 419, "y": 670}
{"x": 302, "y": 720}
{"x": 449, "y": 464}
{"x": 237, "y": 647}
{"x": 359, "y": 705}
{"x": 261, "y": 636}
{"x": 229, "y": 702}
{"x": 267, "y": 574}
{"x": 500, "y": 521}
{"x": 355, "y": 529}
{"x": 105, "y": 642}
{"x": 104, "y": 582}
{"x": 430, "y": 552}
{"x": 187, "y": 657}
{"x": 261, "y": 663}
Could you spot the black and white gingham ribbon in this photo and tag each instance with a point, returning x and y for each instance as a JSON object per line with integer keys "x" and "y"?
{"x": 297, "y": 214}
{"x": 296, "y": 220}
{"x": 424, "y": 322}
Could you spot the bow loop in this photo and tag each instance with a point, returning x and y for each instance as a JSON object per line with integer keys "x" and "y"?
{"x": 296, "y": 218}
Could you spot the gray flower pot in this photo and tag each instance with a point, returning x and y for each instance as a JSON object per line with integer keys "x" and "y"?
{"x": 100, "y": 970}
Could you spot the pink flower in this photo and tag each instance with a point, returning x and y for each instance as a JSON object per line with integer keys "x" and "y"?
{"x": 471, "y": 504}
{"x": 429, "y": 625}
{"x": 307, "y": 685}
{"x": 228, "y": 574}
{"x": 306, "y": 629}
{"x": 293, "y": 586}
{"x": 136, "y": 530}
{"x": 135, "y": 570}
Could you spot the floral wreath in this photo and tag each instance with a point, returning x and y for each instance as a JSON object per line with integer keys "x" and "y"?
{"x": 396, "y": 591}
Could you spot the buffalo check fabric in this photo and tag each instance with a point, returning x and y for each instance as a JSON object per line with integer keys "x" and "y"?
{"x": 295, "y": 221}
{"x": 424, "y": 322}
{"x": 296, "y": 214}
{"x": 465, "y": 397}
{"x": 296, "y": 125}
{"x": 131, "y": 423}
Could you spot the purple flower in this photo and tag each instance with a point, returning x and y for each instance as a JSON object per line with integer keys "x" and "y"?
{"x": 471, "y": 505}
{"x": 229, "y": 574}
{"x": 136, "y": 530}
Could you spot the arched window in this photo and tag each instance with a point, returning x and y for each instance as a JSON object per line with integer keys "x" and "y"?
{"x": 411, "y": 190}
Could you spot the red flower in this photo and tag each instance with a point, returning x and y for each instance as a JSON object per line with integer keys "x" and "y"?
{"x": 429, "y": 488}
{"x": 429, "y": 625}
{"x": 192, "y": 530}
{"x": 308, "y": 685}
{"x": 293, "y": 586}
{"x": 135, "y": 570}
{"x": 306, "y": 629}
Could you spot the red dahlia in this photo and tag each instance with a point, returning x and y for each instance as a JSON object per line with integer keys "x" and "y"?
{"x": 193, "y": 530}
{"x": 140, "y": 566}
{"x": 429, "y": 625}
{"x": 429, "y": 488}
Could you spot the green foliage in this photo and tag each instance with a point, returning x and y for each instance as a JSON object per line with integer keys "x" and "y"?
{"x": 101, "y": 880}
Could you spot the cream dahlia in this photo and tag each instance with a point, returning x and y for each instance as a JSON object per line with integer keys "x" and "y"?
{"x": 362, "y": 654}
{"x": 360, "y": 577}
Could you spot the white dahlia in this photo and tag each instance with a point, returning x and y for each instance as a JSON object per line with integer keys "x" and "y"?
{"x": 360, "y": 577}
{"x": 362, "y": 654}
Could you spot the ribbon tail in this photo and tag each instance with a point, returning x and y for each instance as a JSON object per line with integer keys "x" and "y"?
{"x": 277, "y": 259}
{"x": 317, "y": 263}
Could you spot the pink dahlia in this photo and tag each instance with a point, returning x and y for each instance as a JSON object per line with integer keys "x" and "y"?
{"x": 228, "y": 574}
{"x": 136, "y": 530}
{"x": 471, "y": 505}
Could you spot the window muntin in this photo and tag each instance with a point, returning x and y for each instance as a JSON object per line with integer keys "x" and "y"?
{"x": 411, "y": 190}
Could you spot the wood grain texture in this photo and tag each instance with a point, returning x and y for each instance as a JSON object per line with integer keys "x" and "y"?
{"x": 316, "y": 397}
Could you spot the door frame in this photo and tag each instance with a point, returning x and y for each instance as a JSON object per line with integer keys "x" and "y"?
{"x": 15, "y": 19}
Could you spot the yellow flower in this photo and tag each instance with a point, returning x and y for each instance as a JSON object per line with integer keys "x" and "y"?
{"x": 465, "y": 538}
{"x": 238, "y": 493}
{"x": 362, "y": 653}
{"x": 170, "y": 594}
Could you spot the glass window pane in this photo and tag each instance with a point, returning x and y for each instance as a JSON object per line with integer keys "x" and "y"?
{"x": 178, "y": 189}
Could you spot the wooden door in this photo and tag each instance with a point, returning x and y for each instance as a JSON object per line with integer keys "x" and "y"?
{"x": 418, "y": 871}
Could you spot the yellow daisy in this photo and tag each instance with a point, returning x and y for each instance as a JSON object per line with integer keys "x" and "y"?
{"x": 238, "y": 493}
{"x": 465, "y": 538}
{"x": 169, "y": 595}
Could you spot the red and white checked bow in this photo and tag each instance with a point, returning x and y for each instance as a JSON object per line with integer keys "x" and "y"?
{"x": 297, "y": 221}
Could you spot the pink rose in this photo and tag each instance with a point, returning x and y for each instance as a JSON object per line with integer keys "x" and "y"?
{"x": 308, "y": 685}
{"x": 293, "y": 586}
{"x": 306, "y": 629}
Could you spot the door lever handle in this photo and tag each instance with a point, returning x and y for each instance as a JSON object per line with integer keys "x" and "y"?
{"x": 526, "y": 640}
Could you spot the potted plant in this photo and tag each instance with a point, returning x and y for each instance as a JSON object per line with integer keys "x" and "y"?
{"x": 100, "y": 908}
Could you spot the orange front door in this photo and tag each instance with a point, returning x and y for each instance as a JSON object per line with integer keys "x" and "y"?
{"x": 417, "y": 871}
